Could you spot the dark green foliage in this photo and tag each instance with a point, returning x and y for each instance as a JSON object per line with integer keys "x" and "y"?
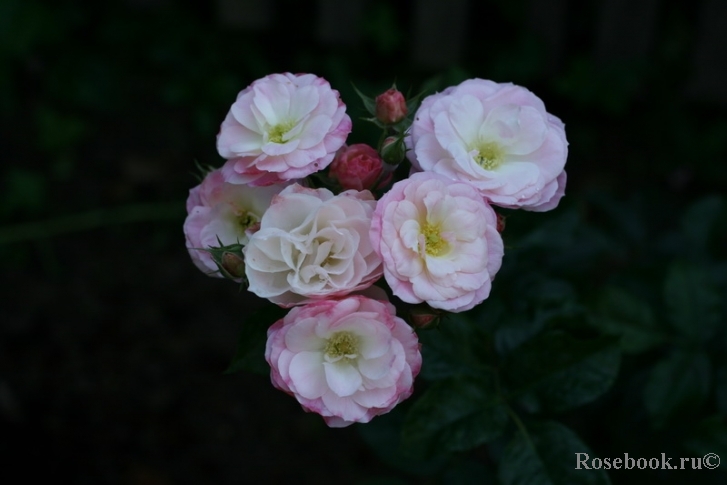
{"x": 546, "y": 455}
{"x": 455, "y": 348}
{"x": 677, "y": 385}
{"x": 455, "y": 414}
{"x": 384, "y": 436}
{"x": 692, "y": 302}
{"x": 554, "y": 371}
{"x": 622, "y": 313}
{"x": 709, "y": 436}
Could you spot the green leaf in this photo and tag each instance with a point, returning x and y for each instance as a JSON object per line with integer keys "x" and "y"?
{"x": 548, "y": 456}
{"x": 516, "y": 329}
{"x": 677, "y": 384}
{"x": 539, "y": 301}
{"x": 455, "y": 347}
{"x": 556, "y": 371}
{"x": 692, "y": 301}
{"x": 250, "y": 355}
{"x": 623, "y": 314}
{"x": 454, "y": 415}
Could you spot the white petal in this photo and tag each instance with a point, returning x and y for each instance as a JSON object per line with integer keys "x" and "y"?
{"x": 343, "y": 379}
{"x": 375, "y": 369}
{"x": 301, "y": 337}
{"x": 376, "y": 398}
{"x": 307, "y": 374}
{"x": 466, "y": 116}
{"x": 344, "y": 407}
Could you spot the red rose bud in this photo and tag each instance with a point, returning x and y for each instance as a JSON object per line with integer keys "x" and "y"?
{"x": 393, "y": 150}
{"x": 500, "y": 223}
{"x": 358, "y": 167}
{"x": 424, "y": 317}
{"x": 391, "y": 107}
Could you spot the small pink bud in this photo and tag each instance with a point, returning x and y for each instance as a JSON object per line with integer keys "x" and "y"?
{"x": 358, "y": 167}
{"x": 391, "y": 107}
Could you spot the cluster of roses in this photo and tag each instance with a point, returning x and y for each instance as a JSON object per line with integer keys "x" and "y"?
{"x": 341, "y": 350}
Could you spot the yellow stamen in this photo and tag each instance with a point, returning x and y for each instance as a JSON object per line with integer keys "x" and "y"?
{"x": 342, "y": 345}
{"x": 276, "y": 133}
{"x": 246, "y": 219}
{"x": 434, "y": 243}
{"x": 490, "y": 155}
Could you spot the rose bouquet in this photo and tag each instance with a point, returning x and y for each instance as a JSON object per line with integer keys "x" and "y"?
{"x": 344, "y": 237}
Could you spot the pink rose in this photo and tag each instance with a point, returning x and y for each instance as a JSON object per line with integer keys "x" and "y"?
{"x": 498, "y": 137}
{"x": 312, "y": 245}
{"x": 282, "y": 127}
{"x": 347, "y": 360}
{"x": 358, "y": 167}
{"x": 439, "y": 242}
{"x": 221, "y": 212}
{"x": 391, "y": 107}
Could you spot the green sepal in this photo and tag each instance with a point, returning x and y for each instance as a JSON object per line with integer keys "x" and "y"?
{"x": 368, "y": 102}
{"x": 395, "y": 152}
{"x": 201, "y": 171}
{"x": 230, "y": 260}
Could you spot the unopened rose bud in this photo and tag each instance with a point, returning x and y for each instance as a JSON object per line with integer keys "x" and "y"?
{"x": 391, "y": 107}
{"x": 229, "y": 260}
{"x": 393, "y": 150}
{"x": 358, "y": 167}
{"x": 500, "y": 223}
{"x": 233, "y": 264}
{"x": 424, "y": 317}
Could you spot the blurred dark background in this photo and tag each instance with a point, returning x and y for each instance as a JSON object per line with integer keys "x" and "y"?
{"x": 113, "y": 345}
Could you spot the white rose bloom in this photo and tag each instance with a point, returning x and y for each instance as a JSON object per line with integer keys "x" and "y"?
{"x": 312, "y": 245}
